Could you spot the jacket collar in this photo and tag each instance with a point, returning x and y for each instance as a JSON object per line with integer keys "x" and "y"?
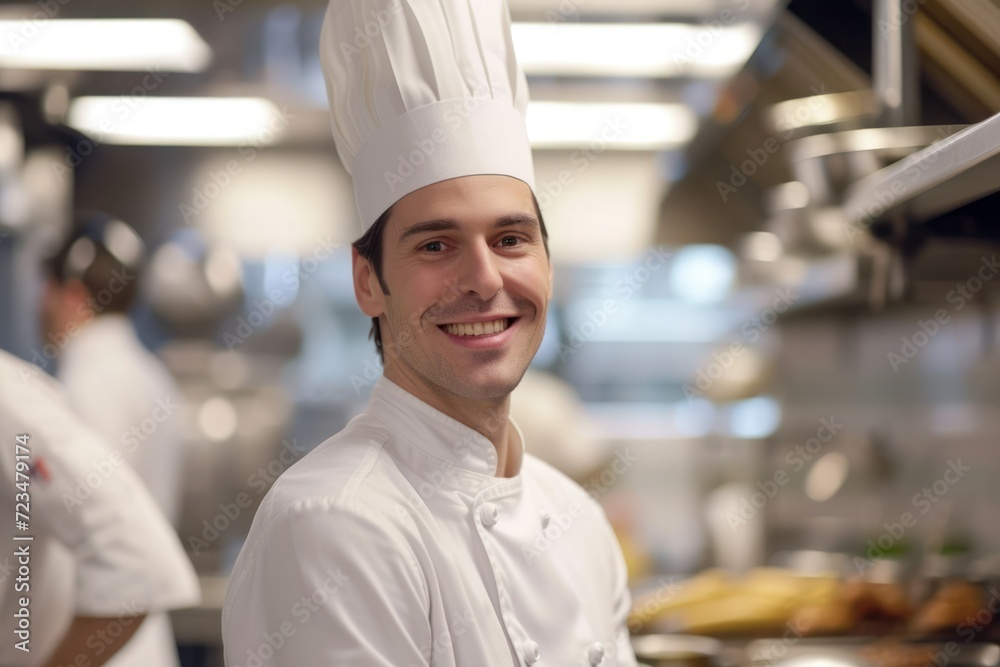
{"x": 434, "y": 433}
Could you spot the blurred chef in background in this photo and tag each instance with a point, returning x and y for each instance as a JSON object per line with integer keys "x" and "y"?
{"x": 556, "y": 427}
{"x": 115, "y": 384}
{"x": 102, "y": 559}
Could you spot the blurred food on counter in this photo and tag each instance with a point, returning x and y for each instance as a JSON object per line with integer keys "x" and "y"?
{"x": 952, "y": 604}
{"x": 774, "y": 601}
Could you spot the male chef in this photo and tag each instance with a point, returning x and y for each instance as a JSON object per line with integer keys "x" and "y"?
{"x": 422, "y": 534}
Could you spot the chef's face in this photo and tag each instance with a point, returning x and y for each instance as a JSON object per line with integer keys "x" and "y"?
{"x": 469, "y": 281}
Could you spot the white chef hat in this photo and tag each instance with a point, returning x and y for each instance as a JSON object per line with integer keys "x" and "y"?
{"x": 422, "y": 91}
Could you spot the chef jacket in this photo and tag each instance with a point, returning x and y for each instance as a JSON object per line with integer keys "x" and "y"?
{"x": 394, "y": 543}
{"x": 100, "y": 545}
{"x": 126, "y": 394}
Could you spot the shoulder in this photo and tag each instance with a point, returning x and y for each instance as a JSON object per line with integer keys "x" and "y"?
{"x": 337, "y": 506}
{"x": 32, "y": 402}
{"x": 349, "y": 482}
{"x": 350, "y": 470}
{"x": 25, "y": 383}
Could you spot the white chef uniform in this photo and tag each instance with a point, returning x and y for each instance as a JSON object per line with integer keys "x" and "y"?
{"x": 127, "y": 396}
{"x": 394, "y": 543}
{"x": 101, "y": 546}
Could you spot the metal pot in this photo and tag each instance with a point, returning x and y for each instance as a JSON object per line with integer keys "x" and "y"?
{"x": 677, "y": 650}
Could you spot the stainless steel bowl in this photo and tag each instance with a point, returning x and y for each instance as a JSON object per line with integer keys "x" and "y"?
{"x": 677, "y": 650}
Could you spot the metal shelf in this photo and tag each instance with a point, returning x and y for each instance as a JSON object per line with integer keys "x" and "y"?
{"x": 957, "y": 170}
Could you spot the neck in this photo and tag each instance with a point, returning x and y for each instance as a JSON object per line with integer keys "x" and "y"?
{"x": 488, "y": 417}
{"x": 68, "y": 326}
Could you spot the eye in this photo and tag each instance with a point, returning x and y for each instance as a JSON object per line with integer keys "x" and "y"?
{"x": 510, "y": 241}
{"x": 433, "y": 246}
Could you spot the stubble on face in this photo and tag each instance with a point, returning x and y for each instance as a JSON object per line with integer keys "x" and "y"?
{"x": 420, "y": 354}
{"x": 440, "y": 372}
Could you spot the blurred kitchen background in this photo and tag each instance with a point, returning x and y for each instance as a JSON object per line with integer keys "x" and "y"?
{"x": 774, "y": 227}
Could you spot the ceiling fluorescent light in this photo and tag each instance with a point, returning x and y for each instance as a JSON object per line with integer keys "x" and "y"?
{"x": 634, "y": 49}
{"x": 178, "y": 121}
{"x": 609, "y": 126}
{"x": 103, "y": 44}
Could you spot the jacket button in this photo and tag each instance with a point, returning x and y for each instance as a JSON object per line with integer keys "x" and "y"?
{"x": 489, "y": 514}
{"x": 531, "y": 655}
{"x": 595, "y": 653}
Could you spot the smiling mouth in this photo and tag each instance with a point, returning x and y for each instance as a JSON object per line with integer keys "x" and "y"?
{"x": 478, "y": 328}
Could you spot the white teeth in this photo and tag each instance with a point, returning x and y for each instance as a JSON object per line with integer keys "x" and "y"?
{"x": 476, "y": 328}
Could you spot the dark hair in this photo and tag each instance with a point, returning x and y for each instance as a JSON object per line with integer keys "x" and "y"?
{"x": 110, "y": 276}
{"x": 369, "y": 246}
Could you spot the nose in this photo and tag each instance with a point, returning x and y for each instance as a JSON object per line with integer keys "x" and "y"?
{"x": 478, "y": 271}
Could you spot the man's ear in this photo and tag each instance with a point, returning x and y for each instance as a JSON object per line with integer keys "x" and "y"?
{"x": 367, "y": 290}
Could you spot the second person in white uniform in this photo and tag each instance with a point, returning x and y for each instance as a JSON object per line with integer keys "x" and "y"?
{"x": 115, "y": 384}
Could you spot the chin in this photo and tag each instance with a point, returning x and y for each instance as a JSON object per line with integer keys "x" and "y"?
{"x": 486, "y": 384}
{"x": 485, "y": 392}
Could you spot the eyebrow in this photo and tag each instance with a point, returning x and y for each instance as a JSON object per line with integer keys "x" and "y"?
{"x": 446, "y": 224}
